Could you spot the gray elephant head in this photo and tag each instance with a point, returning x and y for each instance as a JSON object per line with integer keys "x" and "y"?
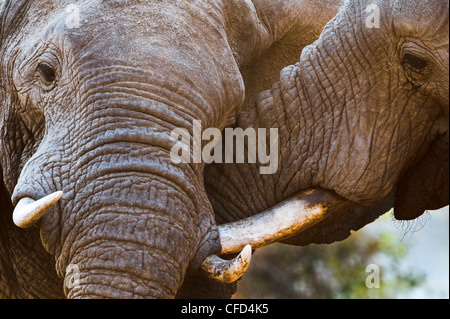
{"x": 363, "y": 116}
{"x": 91, "y": 91}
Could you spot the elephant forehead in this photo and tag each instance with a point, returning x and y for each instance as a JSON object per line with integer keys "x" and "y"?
{"x": 91, "y": 19}
{"x": 127, "y": 31}
{"x": 427, "y": 20}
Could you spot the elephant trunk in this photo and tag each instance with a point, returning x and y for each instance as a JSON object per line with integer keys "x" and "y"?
{"x": 131, "y": 246}
{"x": 130, "y": 221}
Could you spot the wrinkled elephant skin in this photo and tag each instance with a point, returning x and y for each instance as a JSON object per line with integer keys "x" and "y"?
{"x": 364, "y": 114}
{"x": 92, "y": 91}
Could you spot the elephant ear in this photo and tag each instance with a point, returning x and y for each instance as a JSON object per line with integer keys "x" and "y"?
{"x": 2, "y": 6}
{"x": 12, "y": 13}
{"x": 3, "y": 193}
{"x": 5, "y": 202}
{"x": 285, "y": 28}
{"x": 2, "y": 186}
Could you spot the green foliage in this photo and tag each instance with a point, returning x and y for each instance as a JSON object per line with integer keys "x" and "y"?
{"x": 330, "y": 271}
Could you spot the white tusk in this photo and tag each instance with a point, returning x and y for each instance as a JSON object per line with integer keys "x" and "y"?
{"x": 280, "y": 222}
{"x": 277, "y": 223}
{"x": 28, "y": 211}
{"x": 227, "y": 271}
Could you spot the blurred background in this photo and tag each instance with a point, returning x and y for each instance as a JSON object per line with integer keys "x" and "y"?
{"x": 413, "y": 259}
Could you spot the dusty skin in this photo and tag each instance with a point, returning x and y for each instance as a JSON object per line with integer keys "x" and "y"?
{"x": 91, "y": 91}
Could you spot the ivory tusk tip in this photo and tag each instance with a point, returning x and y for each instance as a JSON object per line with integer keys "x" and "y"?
{"x": 57, "y": 194}
{"x": 28, "y": 211}
{"x": 246, "y": 253}
{"x": 228, "y": 271}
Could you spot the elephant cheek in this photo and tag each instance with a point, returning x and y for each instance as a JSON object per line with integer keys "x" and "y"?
{"x": 425, "y": 186}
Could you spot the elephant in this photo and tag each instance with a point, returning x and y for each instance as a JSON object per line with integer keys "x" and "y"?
{"x": 368, "y": 107}
{"x": 92, "y": 92}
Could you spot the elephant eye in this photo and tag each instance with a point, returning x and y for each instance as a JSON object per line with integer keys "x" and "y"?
{"x": 414, "y": 63}
{"x": 47, "y": 73}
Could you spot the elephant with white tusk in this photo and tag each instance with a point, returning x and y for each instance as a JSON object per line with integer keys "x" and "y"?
{"x": 95, "y": 94}
{"x": 364, "y": 114}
